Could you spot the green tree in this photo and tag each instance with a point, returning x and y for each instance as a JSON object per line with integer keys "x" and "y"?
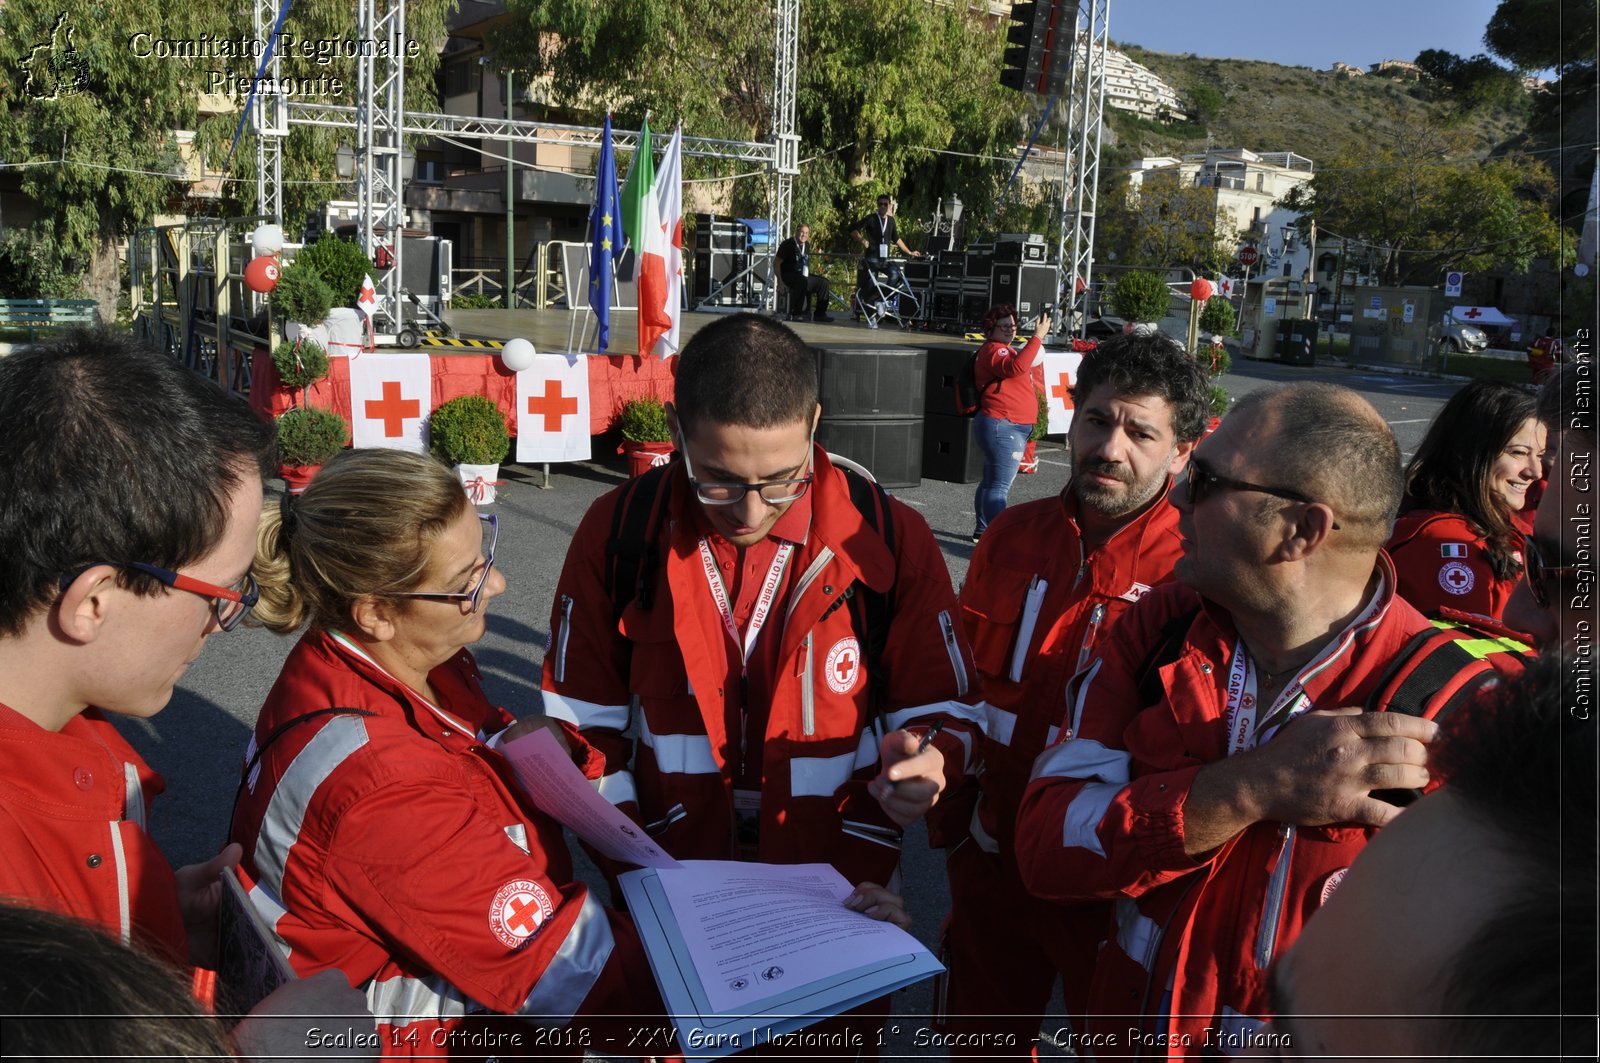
{"x": 1543, "y": 34}
{"x": 1427, "y": 209}
{"x": 1472, "y": 83}
{"x": 1166, "y": 222}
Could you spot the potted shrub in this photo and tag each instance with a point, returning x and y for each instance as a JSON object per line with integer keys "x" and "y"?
{"x": 1030, "y": 463}
{"x": 340, "y": 264}
{"x": 646, "y": 439}
{"x": 300, "y": 363}
{"x": 302, "y": 297}
{"x": 1141, "y": 299}
{"x": 469, "y": 432}
{"x": 307, "y": 439}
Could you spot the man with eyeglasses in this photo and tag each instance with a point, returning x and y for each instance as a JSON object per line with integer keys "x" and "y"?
{"x": 1555, "y": 602}
{"x": 1046, "y": 584}
{"x": 762, "y": 722}
{"x": 1229, "y": 749}
{"x": 131, "y": 488}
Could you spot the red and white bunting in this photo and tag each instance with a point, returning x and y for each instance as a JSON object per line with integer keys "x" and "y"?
{"x": 390, "y": 399}
{"x": 1060, "y": 373}
{"x": 553, "y": 409}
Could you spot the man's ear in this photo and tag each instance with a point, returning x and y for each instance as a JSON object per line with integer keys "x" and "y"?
{"x": 1312, "y": 528}
{"x": 85, "y": 606}
{"x": 672, "y": 425}
{"x": 374, "y": 617}
{"x": 1181, "y": 454}
{"x": 816, "y": 418}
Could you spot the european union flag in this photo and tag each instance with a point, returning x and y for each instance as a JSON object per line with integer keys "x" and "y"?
{"x": 605, "y": 236}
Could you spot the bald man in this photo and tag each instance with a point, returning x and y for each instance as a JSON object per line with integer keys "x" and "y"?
{"x": 1229, "y": 752}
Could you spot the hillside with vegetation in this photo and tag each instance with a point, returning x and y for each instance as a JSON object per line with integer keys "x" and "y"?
{"x": 1316, "y": 113}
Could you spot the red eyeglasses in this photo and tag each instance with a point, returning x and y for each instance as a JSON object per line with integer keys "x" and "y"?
{"x": 229, "y": 605}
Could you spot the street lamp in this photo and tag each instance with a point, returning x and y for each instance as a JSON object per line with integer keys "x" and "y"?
{"x": 344, "y": 162}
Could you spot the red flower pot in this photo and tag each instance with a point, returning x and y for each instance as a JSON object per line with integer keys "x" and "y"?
{"x": 642, "y": 457}
{"x": 296, "y": 477}
{"x": 1030, "y": 463}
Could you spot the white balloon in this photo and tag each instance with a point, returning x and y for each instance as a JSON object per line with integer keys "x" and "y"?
{"x": 267, "y": 240}
{"x": 517, "y": 355}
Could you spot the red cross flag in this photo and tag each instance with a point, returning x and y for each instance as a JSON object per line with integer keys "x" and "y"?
{"x": 553, "y": 409}
{"x": 1225, "y": 286}
{"x": 1060, "y": 372}
{"x": 390, "y": 399}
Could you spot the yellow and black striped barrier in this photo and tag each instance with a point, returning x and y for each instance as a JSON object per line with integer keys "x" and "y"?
{"x": 433, "y": 340}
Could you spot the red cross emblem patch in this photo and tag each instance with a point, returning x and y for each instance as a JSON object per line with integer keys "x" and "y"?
{"x": 517, "y": 912}
{"x": 842, "y": 665}
{"x": 1456, "y": 578}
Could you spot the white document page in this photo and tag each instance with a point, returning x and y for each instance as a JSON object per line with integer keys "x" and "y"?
{"x": 757, "y": 929}
{"x": 560, "y": 790}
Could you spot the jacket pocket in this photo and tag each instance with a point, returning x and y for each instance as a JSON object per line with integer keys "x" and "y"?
{"x": 991, "y": 611}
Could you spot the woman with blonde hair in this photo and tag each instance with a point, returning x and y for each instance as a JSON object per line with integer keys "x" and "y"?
{"x": 384, "y": 835}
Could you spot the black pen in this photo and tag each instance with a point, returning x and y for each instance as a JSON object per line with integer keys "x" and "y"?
{"x": 927, "y": 737}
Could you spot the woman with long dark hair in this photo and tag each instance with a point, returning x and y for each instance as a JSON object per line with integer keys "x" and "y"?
{"x": 1456, "y": 543}
{"x": 1008, "y": 380}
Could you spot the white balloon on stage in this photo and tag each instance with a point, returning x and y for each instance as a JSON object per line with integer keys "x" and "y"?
{"x": 517, "y": 355}
{"x": 267, "y": 240}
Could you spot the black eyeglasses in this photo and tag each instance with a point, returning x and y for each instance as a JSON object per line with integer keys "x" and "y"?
{"x": 1201, "y": 481}
{"x": 772, "y": 492}
{"x": 229, "y": 605}
{"x": 1540, "y": 573}
{"x": 491, "y": 535}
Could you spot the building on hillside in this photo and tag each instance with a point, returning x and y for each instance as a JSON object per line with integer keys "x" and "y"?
{"x": 1398, "y": 68}
{"x": 1346, "y": 70}
{"x": 1132, "y": 87}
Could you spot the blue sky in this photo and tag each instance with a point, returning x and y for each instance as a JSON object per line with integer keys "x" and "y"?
{"x": 1300, "y": 33}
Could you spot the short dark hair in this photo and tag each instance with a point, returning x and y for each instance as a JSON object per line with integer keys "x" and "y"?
{"x": 1566, "y": 401}
{"x": 745, "y": 370}
{"x": 112, "y": 451}
{"x": 1452, "y": 468}
{"x": 1524, "y": 764}
{"x": 997, "y": 313}
{"x": 1149, "y": 364}
{"x": 1330, "y": 443}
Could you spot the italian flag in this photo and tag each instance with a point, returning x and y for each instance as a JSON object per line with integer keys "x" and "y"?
{"x": 641, "y": 214}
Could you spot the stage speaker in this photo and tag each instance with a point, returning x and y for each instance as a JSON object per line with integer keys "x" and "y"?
{"x": 1026, "y": 287}
{"x": 719, "y": 272}
{"x": 974, "y": 308}
{"x": 952, "y": 263}
{"x": 946, "y": 307}
{"x": 891, "y": 449}
{"x": 944, "y": 364}
{"x": 871, "y": 382}
{"x": 1019, "y": 250}
{"x": 713, "y": 233}
{"x": 948, "y": 450}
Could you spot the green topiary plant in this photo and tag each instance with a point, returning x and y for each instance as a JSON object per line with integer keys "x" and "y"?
{"x": 474, "y": 301}
{"x": 644, "y": 420}
{"x": 341, "y": 264}
{"x": 300, "y": 364}
{"x": 301, "y": 295}
{"x": 1217, "y": 317}
{"x": 310, "y": 437}
{"x": 1041, "y": 422}
{"x": 1140, "y": 296}
{"x": 469, "y": 430}
{"x": 1219, "y": 399}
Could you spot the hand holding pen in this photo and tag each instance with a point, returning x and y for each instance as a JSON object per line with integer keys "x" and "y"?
{"x": 912, "y": 776}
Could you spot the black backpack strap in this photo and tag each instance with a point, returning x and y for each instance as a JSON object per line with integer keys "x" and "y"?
{"x": 1168, "y": 648}
{"x": 633, "y": 551}
{"x": 272, "y": 739}
{"x": 870, "y": 610}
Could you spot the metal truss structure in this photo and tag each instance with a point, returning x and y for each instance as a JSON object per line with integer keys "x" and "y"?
{"x": 381, "y": 123}
{"x": 1080, "y": 182}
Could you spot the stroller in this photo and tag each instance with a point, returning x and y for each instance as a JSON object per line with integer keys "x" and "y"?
{"x": 885, "y": 293}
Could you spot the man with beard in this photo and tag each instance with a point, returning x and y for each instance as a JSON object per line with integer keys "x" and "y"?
{"x": 1046, "y": 582}
{"x": 1239, "y": 740}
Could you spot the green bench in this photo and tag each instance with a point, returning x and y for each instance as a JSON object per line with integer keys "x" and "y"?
{"x": 36, "y": 315}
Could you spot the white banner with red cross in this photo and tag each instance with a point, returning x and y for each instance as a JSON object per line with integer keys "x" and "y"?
{"x": 391, "y": 397}
{"x": 1060, "y": 373}
{"x": 553, "y": 409}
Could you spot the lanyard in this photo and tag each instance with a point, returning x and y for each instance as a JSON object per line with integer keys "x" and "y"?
{"x": 1243, "y": 705}
{"x": 350, "y": 644}
{"x": 764, "y": 601}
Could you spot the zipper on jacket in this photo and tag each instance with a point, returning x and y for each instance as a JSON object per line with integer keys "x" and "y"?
{"x": 948, "y": 628}
{"x": 808, "y": 708}
{"x": 1092, "y": 632}
{"x": 675, "y": 813}
{"x": 563, "y": 630}
{"x": 1272, "y": 911}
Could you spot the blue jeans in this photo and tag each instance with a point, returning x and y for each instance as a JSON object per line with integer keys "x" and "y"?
{"x": 1002, "y": 443}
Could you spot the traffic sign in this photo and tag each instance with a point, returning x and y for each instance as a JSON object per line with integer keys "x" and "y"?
{"x": 1248, "y": 255}
{"x": 1452, "y": 284}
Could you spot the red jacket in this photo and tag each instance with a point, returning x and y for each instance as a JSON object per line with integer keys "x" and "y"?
{"x": 1103, "y": 818}
{"x": 1085, "y": 592}
{"x": 1021, "y": 378}
{"x": 73, "y": 807}
{"x": 822, "y": 741}
{"x": 399, "y": 849}
{"x": 1442, "y": 562}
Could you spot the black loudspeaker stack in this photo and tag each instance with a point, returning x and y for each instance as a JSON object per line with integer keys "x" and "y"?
{"x": 948, "y": 452}
{"x": 1027, "y": 287}
{"x": 872, "y": 409}
{"x": 721, "y": 256}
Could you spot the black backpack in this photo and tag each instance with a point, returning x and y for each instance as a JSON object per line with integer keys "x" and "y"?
{"x": 634, "y": 551}
{"x": 967, "y": 392}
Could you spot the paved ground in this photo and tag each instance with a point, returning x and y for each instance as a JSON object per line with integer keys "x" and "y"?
{"x": 197, "y": 741}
